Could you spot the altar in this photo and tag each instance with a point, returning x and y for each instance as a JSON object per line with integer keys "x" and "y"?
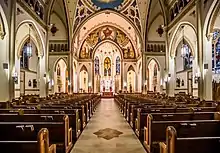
{"x": 107, "y": 88}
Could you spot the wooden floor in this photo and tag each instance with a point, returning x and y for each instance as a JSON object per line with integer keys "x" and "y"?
{"x": 108, "y": 132}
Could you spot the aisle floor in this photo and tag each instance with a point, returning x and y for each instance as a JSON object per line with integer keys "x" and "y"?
{"x": 108, "y": 132}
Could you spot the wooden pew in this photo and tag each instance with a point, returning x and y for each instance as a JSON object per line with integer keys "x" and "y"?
{"x": 201, "y": 143}
{"x": 142, "y": 114}
{"x": 36, "y": 142}
{"x": 155, "y": 131}
{"x": 60, "y": 134}
{"x": 80, "y": 118}
{"x": 44, "y": 118}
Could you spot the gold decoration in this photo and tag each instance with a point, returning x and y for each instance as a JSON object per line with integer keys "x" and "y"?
{"x": 93, "y": 38}
{"x": 121, "y": 38}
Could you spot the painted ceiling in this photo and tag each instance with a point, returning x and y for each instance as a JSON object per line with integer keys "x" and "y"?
{"x": 107, "y": 33}
{"x": 129, "y": 8}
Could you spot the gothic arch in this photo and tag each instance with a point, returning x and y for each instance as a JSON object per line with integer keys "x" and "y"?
{"x": 105, "y": 41}
{"x": 211, "y": 17}
{"x": 58, "y": 60}
{"x": 158, "y": 64}
{"x": 172, "y": 45}
{"x": 37, "y": 37}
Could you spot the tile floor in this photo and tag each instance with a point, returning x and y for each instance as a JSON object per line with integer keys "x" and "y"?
{"x": 108, "y": 132}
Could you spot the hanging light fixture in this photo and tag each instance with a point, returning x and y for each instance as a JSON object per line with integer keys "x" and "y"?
{"x": 183, "y": 48}
{"x": 29, "y": 45}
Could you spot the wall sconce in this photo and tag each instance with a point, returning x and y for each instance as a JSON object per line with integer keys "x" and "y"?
{"x": 125, "y": 84}
{"x": 15, "y": 77}
{"x": 90, "y": 84}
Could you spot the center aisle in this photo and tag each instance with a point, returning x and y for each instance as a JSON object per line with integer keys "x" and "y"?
{"x": 108, "y": 132}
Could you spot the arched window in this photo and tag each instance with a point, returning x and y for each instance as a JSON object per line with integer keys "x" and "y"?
{"x": 188, "y": 58}
{"x": 97, "y": 65}
{"x": 216, "y": 51}
{"x": 118, "y": 65}
{"x": 107, "y": 67}
{"x": 24, "y": 60}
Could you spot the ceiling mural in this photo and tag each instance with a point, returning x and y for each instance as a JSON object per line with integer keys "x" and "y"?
{"x": 107, "y": 4}
{"x": 107, "y": 33}
{"x": 128, "y": 8}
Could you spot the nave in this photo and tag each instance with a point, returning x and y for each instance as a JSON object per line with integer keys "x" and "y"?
{"x": 108, "y": 131}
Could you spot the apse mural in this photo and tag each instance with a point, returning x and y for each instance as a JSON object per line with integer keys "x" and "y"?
{"x": 107, "y": 33}
{"x": 107, "y": 4}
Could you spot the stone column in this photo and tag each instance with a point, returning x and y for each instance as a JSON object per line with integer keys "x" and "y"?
{"x": 12, "y": 49}
{"x": 70, "y": 72}
{"x": 143, "y": 71}
{"x": 43, "y": 78}
{"x": 199, "y": 9}
{"x": 207, "y": 86}
{"x": 171, "y": 78}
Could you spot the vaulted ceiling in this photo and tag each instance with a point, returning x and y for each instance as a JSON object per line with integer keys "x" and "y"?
{"x": 77, "y": 11}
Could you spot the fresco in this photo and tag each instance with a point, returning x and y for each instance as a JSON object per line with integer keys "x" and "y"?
{"x": 107, "y": 33}
{"x": 107, "y": 4}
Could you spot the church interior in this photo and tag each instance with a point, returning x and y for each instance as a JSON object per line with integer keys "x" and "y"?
{"x": 114, "y": 76}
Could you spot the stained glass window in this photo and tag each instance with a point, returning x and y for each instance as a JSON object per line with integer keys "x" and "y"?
{"x": 107, "y": 67}
{"x": 24, "y": 60}
{"x": 216, "y": 52}
{"x": 97, "y": 65}
{"x": 118, "y": 65}
{"x": 188, "y": 58}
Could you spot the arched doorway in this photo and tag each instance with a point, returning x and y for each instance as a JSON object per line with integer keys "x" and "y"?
{"x": 60, "y": 77}
{"x": 153, "y": 75}
{"x": 131, "y": 79}
{"x": 84, "y": 80}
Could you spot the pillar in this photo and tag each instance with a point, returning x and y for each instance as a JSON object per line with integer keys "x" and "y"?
{"x": 171, "y": 78}
{"x": 43, "y": 76}
{"x": 199, "y": 9}
{"x": 207, "y": 86}
{"x": 12, "y": 49}
{"x": 144, "y": 67}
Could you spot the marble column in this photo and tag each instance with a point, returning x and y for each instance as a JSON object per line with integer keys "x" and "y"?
{"x": 43, "y": 76}
{"x": 207, "y": 86}
{"x": 143, "y": 72}
{"x": 12, "y": 49}
{"x": 70, "y": 72}
{"x": 171, "y": 78}
{"x": 199, "y": 9}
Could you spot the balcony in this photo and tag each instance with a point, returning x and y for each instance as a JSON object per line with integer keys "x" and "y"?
{"x": 58, "y": 47}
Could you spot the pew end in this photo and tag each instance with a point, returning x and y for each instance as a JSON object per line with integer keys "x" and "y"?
{"x": 163, "y": 147}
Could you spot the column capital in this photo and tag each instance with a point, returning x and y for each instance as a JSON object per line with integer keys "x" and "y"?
{"x": 209, "y": 36}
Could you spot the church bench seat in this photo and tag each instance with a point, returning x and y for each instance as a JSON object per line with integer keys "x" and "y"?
{"x": 74, "y": 122}
{"x": 38, "y": 143}
{"x": 50, "y": 110}
{"x": 155, "y": 132}
{"x": 142, "y": 114}
{"x": 200, "y": 144}
{"x": 59, "y": 133}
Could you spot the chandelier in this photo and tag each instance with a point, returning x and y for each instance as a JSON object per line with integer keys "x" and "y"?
{"x": 183, "y": 47}
{"x": 29, "y": 45}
